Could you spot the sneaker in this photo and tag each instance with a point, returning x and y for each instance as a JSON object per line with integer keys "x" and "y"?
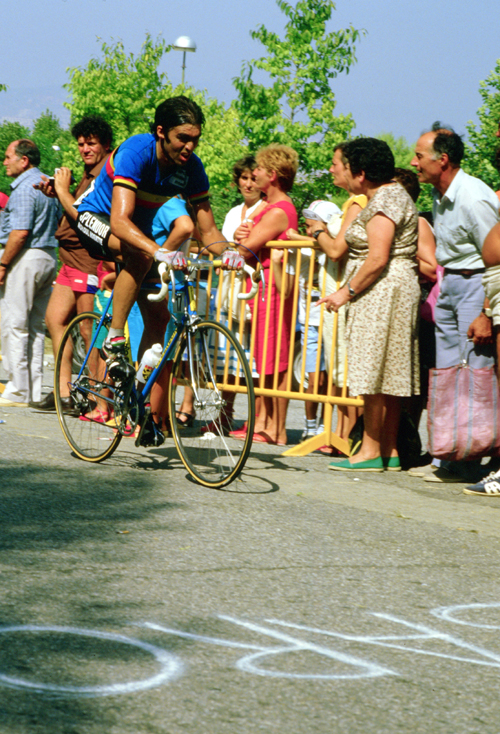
{"x": 487, "y": 487}
{"x": 308, "y": 433}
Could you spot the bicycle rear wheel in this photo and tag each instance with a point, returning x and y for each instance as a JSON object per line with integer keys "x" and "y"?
{"x": 88, "y": 425}
{"x": 208, "y": 452}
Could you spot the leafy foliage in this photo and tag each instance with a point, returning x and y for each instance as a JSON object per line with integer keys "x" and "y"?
{"x": 9, "y": 131}
{"x": 480, "y": 152}
{"x": 47, "y": 132}
{"x": 126, "y": 89}
{"x": 403, "y": 152}
{"x": 296, "y": 107}
{"x": 123, "y": 89}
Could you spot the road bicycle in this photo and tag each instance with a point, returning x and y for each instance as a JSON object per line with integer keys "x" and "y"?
{"x": 206, "y": 357}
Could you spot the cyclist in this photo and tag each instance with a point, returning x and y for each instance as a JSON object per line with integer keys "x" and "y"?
{"x": 115, "y": 218}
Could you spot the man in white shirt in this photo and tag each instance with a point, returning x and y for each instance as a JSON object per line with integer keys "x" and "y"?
{"x": 465, "y": 210}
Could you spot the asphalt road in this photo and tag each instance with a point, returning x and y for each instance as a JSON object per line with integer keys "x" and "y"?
{"x": 295, "y": 601}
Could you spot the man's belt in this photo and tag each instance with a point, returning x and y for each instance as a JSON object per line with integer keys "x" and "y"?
{"x": 465, "y": 273}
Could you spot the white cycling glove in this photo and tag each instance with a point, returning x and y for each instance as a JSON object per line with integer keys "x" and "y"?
{"x": 232, "y": 260}
{"x": 174, "y": 259}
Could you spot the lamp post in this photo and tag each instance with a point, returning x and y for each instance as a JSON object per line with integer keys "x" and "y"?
{"x": 184, "y": 43}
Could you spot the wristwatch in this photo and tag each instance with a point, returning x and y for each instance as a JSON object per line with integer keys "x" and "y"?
{"x": 351, "y": 290}
{"x": 487, "y": 312}
{"x": 317, "y": 233}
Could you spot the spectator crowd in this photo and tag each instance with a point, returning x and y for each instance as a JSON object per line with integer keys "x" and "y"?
{"x": 403, "y": 293}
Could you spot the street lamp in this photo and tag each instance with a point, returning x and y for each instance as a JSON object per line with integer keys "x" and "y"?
{"x": 184, "y": 43}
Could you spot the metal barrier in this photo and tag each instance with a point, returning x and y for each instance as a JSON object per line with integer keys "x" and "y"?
{"x": 246, "y": 331}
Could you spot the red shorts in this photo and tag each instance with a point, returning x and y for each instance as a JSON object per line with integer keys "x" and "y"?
{"x": 76, "y": 280}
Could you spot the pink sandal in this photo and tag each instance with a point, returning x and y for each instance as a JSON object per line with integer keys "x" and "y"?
{"x": 98, "y": 417}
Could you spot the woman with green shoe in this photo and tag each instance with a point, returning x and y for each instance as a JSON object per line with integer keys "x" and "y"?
{"x": 382, "y": 290}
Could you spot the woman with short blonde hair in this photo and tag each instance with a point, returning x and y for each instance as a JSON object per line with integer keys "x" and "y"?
{"x": 274, "y": 176}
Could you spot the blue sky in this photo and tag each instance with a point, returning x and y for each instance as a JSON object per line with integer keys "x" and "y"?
{"x": 418, "y": 62}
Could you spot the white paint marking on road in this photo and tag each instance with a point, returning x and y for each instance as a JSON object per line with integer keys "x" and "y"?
{"x": 369, "y": 669}
{"x": 447, "y": 614}
{"x": 171, "y": 666}
{"x": 200, "y": 638}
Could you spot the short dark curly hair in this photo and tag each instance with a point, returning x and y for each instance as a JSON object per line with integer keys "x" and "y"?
{"x": 247, "y": 163}
{"x": 93, "y": 126}
{"x": 372, "y": 156}
{"x": 409, "y": 181}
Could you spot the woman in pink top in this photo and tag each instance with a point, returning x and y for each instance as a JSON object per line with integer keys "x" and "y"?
{"x": 274, "y": 176}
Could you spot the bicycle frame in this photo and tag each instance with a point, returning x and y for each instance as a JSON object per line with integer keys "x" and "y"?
{"x": 186, "y": 320}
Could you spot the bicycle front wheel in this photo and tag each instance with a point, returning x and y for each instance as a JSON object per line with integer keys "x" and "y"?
{"x": 87, "y": 419}
{"x": 222, "y": 398}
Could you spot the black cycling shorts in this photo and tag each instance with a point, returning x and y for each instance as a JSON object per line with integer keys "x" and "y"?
{"x": 93, "y": 232}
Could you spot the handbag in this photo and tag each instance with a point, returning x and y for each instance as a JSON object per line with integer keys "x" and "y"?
{"x": 463, "y": 412}
{"x": 428, "y": 306}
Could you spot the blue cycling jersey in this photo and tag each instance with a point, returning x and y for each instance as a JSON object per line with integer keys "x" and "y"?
{"x": 134, "y": 165}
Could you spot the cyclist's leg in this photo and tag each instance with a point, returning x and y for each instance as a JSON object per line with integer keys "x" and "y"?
{"x": 135, "y": 266}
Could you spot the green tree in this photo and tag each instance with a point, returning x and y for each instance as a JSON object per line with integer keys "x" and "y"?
{"x": 125, "y": 89}
{"x": 9, "y": 131}
{"x": 296, "y": 107}
{"x": 402, "y": 150}
{"x": 482, "y": 146}
{"x": 52, "y": 140}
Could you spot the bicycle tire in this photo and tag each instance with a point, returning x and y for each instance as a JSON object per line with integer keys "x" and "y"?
{"x": 90, "y": 439}
{"x": 209, "y": 453}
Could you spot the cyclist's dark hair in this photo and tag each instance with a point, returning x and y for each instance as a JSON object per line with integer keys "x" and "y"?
{"x": 28, "y": 148}
{"x": 449, "y": 142}
{"x": 94, "y": 126}
{"x": 409, "y": 181}
{"x": 247, "y": 163}
{"x": 372, "y": 156}
{"x": 177, "y": 111}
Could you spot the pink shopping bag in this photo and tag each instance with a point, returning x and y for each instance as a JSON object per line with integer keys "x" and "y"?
{"x": 463, "y": 413}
